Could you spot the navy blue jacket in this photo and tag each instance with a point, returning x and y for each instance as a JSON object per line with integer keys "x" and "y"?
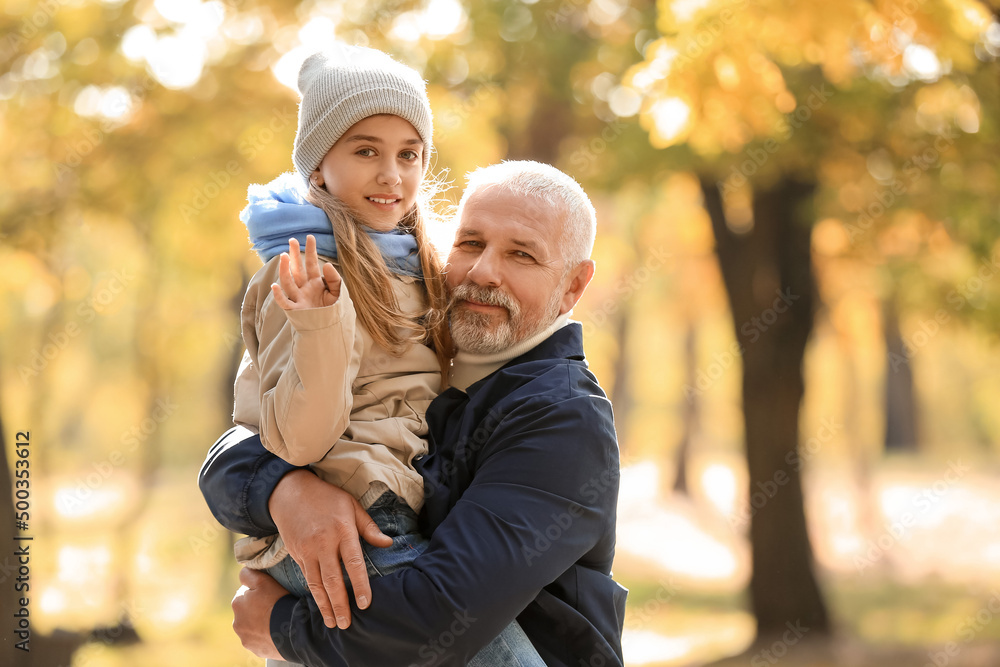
{"x": 521, "y": 489}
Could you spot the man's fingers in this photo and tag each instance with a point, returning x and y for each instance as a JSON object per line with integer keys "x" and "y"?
{"x": 369, "y": 530}
{"x": 314, "y": 579}
{"x": 333, "y": 582}
{"x": 250, "y": 577}
{"x": 357, "y": 571}
{"x": 239, "y": 593}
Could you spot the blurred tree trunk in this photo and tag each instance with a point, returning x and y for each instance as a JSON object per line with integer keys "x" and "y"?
{"x": 621, "y": 391}
{"x": 689, "y": 408}
{"x": 551, "y": 117}
{"x": 235, "y": 348}
{"x": 8, "y": 598}
{"x": 900, "y": 404}
{"x": 56, "y": 649}
{"x": 148, "y": 350}
{"x": 769, "y": 282}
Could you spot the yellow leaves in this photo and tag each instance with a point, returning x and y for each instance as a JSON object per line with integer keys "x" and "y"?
{"x": 670, "y": 121}
{"x": 784, "y": 102}
{"x": 727, "y": 72}
{"x": 944, "y": 104}
{"x": 829, "y": 238}
{"x": 905, "y": 236}
{"x": 465, "y": 127}
{"x": 969, "y": 18}
{"x": 768, "y": 74}
{"x": 717, "y": 79}
{"x": 852, "y": 197}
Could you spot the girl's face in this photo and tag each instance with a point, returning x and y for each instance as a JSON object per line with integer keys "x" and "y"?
{"x": 375, "y": 168}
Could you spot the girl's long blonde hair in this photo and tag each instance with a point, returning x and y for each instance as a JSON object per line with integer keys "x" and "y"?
{"x": 370, "y": 281}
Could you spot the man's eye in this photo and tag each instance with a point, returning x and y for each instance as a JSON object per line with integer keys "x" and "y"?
{"x": 523, "y": 255}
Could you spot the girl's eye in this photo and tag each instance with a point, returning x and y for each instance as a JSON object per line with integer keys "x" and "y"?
{"x": 366, "y": 152}
{"x": 409, "y": 155}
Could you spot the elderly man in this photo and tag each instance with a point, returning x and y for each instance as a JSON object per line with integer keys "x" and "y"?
{"x": 521, "y": 480}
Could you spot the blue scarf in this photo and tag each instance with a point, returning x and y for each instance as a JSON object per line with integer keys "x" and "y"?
{"x": 279, "y": 211}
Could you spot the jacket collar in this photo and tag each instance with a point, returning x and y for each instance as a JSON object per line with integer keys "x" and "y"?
{"x": 565, "y": 344}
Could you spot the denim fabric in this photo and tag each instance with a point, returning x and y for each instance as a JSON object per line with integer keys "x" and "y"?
{"x": 394, "y": 518}
{"x": 511, "y": 648}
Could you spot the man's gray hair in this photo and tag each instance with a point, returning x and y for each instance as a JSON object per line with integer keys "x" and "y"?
{"x": 545, "y": 183}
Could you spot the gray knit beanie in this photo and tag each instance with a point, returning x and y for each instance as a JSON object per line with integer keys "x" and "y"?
{"x": 346, "y": 84}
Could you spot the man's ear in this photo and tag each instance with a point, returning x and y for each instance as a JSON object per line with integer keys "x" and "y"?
{"x": 577, "y": 282}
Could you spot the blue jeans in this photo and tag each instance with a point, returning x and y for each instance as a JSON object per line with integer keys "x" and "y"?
{"x": 511, "y": 648}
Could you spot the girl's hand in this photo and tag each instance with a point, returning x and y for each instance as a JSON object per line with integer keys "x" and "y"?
{"x": 305, "y": 287}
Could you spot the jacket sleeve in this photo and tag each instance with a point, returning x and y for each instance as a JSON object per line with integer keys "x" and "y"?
{"x": 542, "y": 496}
{"x": 237, "y": 479}
{"x": 307, "y": 361}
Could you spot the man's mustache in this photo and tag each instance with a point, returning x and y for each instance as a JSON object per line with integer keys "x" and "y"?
{"x": 491, "y": 296}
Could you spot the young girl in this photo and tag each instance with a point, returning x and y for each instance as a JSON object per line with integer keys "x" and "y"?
{"x": 342, "y": 365}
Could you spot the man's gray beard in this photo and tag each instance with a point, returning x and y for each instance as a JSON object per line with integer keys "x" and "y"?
{"x": 472, "y": 332}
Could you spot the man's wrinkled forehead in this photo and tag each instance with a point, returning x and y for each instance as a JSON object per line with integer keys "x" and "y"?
{"x": 535, "y": 207}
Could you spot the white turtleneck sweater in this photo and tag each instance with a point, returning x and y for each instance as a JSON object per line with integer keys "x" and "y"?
{"x": 468, "y": 368}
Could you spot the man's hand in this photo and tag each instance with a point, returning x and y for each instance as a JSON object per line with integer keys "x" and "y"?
{"x": 252, "y": 607}
{"x": 309, "y": 287}
{"x": 320, "y": 525}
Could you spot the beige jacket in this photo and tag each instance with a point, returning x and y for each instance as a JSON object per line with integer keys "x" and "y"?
{"x": 320, "y": 391}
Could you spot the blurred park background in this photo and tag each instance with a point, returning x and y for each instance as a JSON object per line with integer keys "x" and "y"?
{"x": 795, "y": 310}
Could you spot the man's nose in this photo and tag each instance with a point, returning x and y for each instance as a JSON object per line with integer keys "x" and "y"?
{"x": 486, "y": 271}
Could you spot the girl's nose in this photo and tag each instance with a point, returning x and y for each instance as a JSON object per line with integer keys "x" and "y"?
{"x": 388, "y": 173}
